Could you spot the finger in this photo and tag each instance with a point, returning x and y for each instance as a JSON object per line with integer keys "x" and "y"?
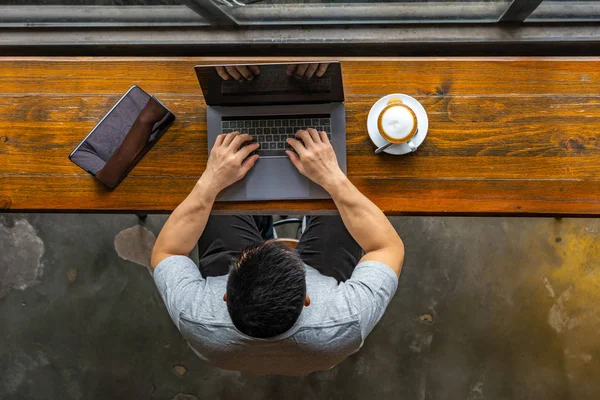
{"x": 238, "y": 140}
{"x": 246, "y": 150}
{"x": 314, "y": 135}
{"x": 233, "y": 72}
{"x": 222, "y": 73}
{"x": 297, "y": 145}
{"x": 321, "y": 70}
{"x": 324, "y": 137}
{"x": 301, "y": 70}
{"x": 220, "y": 139}
{"x": 254, "y": 69}
{"x": 295, "y": 160}
{"x": 229, "y": 137}
{"x": 248, "y": 164}
{"x": 290, "y": 69}
{"x": 310, "y": 71}
{"x": 306, "y": 138}
{"x": 242, "y": 69}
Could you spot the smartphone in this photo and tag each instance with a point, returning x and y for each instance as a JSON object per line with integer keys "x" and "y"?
{"x": 125, "y": 134}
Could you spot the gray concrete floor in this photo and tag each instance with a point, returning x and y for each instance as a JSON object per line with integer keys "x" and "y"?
{"x": 487, "y": 308}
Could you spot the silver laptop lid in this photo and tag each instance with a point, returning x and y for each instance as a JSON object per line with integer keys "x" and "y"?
{"x": 271, "y": 83}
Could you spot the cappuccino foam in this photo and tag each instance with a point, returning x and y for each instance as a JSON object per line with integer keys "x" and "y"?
{"x": 397, "y": 122}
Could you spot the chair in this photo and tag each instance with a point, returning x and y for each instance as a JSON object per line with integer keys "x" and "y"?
{"x": 290, "y": 242}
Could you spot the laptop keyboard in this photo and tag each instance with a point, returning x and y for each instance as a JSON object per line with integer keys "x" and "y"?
{"x": 272, "y": 133}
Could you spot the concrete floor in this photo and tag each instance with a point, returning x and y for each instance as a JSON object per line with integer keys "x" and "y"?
{"x": 487, "y": 308}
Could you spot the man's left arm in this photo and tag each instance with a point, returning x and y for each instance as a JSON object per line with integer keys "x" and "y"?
{"x": 226, "y": 164}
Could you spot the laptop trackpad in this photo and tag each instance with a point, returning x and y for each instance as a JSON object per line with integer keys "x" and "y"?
{"x": 276, "y": 178}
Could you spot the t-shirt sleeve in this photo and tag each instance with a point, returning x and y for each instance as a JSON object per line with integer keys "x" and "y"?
{"x": 369, "y": 291}
{"x": 178, "y": 280}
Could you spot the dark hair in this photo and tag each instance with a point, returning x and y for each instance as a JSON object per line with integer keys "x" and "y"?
{"x": 266, "y": 290}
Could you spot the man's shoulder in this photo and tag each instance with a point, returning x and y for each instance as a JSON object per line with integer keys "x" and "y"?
{"x": 209, "y": 306}
{"x": 329, "y": 305}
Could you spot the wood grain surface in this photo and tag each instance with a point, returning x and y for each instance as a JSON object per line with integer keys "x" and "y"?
{"x": 506, "y": 136}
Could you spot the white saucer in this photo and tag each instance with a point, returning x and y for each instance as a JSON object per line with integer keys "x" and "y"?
{"x": 422, "y": 123}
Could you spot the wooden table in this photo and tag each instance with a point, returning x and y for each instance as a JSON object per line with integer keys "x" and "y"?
{"x": 506, "y": 136}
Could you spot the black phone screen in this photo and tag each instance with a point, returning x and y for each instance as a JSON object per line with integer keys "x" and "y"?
{"x": 122, "y": 137}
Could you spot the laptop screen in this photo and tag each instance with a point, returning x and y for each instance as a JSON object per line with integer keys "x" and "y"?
{"x": 254, "y": 84}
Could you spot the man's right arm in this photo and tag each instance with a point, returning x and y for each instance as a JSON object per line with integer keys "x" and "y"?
{"x": 364, "y": 220}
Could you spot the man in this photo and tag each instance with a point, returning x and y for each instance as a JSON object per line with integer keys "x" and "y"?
{"x": 259, "y": 307}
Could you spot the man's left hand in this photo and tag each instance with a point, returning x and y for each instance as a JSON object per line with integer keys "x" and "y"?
{"x": 228, "y": 162}
{"x": 238, "y": 72}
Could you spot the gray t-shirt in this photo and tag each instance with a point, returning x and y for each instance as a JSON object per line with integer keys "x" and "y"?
{"x": 332, "y": 327}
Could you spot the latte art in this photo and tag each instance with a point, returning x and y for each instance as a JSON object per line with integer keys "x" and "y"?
{"x": 397, "y": 122}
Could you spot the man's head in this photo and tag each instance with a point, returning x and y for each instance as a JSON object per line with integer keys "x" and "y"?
{"x": 266, "y": 290}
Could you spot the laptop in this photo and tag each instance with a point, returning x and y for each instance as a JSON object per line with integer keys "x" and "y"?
{"x": 272, "y": 107}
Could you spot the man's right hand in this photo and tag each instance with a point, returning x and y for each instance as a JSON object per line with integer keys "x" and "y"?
{"x": 228, "y": 162}
{"x": 315, "y": 158}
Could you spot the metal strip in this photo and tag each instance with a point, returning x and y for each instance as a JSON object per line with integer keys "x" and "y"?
{"x": 519, "y": 10}
{"x": 98, "y": 16}
{"x": 328, "y": 41}
{"x": 359, "y": 13}
{"x": 353, "y": 34}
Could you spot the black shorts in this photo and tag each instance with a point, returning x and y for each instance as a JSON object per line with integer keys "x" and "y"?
{"x": 326, "y": 245}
